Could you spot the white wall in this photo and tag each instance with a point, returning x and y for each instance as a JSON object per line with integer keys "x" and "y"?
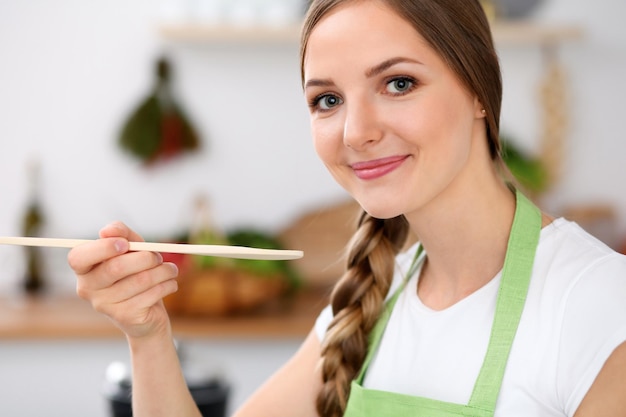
{"x": 70, "y": 71}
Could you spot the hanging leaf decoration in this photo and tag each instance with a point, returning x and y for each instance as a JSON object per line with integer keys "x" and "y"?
{"x": 158, "y": 129}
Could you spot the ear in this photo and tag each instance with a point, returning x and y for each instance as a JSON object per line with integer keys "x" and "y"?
{"x": 479, "y": 109}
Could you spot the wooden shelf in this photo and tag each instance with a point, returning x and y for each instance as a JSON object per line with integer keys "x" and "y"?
{"x": 72, "y": 318}
{"x": 529, "y": 33}
{"x": 505, "y": 33}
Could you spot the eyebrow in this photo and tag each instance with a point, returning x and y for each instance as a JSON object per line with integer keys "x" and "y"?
{"x": 385, "y": 65}
{"x": 369, "y": 73}
{"x": 318, "y": 83}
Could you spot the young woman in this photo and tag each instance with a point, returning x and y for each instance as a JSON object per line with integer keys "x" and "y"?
{"x": 498, "y": 310}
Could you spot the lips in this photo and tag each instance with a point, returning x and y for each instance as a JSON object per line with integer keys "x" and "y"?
{"x": 376, "y": 168}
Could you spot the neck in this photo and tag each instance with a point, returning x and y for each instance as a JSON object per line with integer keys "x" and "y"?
{"x": 465, "y": 232}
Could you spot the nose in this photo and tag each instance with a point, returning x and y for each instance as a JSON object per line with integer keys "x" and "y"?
{"x": 362, "y": 126}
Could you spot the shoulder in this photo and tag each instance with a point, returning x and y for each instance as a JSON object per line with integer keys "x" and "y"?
{"x": 567, "y": 255}
{"x": 581, "y": 282}
{"x": 573, "y": 239}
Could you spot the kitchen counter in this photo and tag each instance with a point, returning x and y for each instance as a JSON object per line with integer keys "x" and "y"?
{"x": 68, "y": 317}
{"x": 57, "y": 338}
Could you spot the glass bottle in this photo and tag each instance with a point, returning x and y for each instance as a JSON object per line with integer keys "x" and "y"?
{"x": 32, "y": 222}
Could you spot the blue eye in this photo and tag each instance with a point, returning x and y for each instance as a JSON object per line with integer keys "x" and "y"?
{"x": 400, "y": 85}
{"x": 327, "y": 102}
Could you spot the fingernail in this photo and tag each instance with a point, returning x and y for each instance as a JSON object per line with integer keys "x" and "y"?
{"x": 121, "y": 245}
{"x": 159, "y": 257}
{"x": 174, "y": 268}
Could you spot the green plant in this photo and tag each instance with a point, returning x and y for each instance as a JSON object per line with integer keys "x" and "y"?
{"x": 528, "y": 171}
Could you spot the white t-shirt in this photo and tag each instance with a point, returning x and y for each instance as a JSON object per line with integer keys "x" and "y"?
{"x": 574, "y": 317}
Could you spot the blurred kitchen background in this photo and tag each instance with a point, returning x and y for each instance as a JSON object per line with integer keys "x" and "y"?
{"x": 72, "y": 75}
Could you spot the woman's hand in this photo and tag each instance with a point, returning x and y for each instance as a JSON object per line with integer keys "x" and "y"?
{"x": 126, "y": 286}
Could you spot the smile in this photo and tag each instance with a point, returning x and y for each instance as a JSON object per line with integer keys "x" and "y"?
{"x": 369, "y": 170}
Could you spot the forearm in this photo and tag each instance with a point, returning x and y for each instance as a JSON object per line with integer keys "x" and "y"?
{"x": 159, "y": 387}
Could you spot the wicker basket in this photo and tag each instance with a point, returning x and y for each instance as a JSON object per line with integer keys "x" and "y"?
{"x": 223, "y": 291}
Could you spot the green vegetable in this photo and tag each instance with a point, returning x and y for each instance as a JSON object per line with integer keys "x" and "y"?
{"x": 263, "y": 268}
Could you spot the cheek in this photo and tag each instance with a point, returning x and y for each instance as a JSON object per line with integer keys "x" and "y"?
{"x": 325, "y": 141}
{"x": 328, "y": 144}
{"x": 449, "y": 126}
{"x": 422, "y": 128}
{"x": 318, "y": 141}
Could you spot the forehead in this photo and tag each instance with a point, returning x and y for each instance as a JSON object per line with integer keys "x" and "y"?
{"x": 362, "y": 33}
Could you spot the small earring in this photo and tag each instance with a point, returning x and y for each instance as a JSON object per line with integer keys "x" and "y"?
{"x": 483, "y": 111}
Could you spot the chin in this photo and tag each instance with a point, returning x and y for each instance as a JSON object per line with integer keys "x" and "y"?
{"x": 381, "y": 212}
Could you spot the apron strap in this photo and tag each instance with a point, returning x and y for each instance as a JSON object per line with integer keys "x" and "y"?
{"x": 516, "y": 273}
{"x": 377, "y": 332}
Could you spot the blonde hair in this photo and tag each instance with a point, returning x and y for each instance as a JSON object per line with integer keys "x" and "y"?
{"x": 459, "y": 32}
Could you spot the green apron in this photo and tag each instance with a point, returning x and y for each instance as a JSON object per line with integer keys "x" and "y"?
{"x": 514, "y": 283}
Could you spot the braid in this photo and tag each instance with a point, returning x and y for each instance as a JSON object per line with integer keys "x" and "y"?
{"x": 357, "y": 301}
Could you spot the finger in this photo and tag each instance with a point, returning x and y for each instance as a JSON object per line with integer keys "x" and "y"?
{"x": 132, "y": 295}
{"x": 105, "y": 298}
{"x": 143, "y": 281}
{"x": 119, "y": 267}
{"x": 119, "y": 229}
{"x": 83, "y": 258}
{"x": 153, "y": 295}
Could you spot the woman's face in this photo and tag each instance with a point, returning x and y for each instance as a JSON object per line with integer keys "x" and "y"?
{"x": 389, "y": 119}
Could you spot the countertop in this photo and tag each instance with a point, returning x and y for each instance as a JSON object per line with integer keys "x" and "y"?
{"x": 68, "y": 317}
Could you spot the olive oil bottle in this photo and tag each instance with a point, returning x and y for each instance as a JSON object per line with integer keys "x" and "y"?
{"x": 32, "y": 222}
